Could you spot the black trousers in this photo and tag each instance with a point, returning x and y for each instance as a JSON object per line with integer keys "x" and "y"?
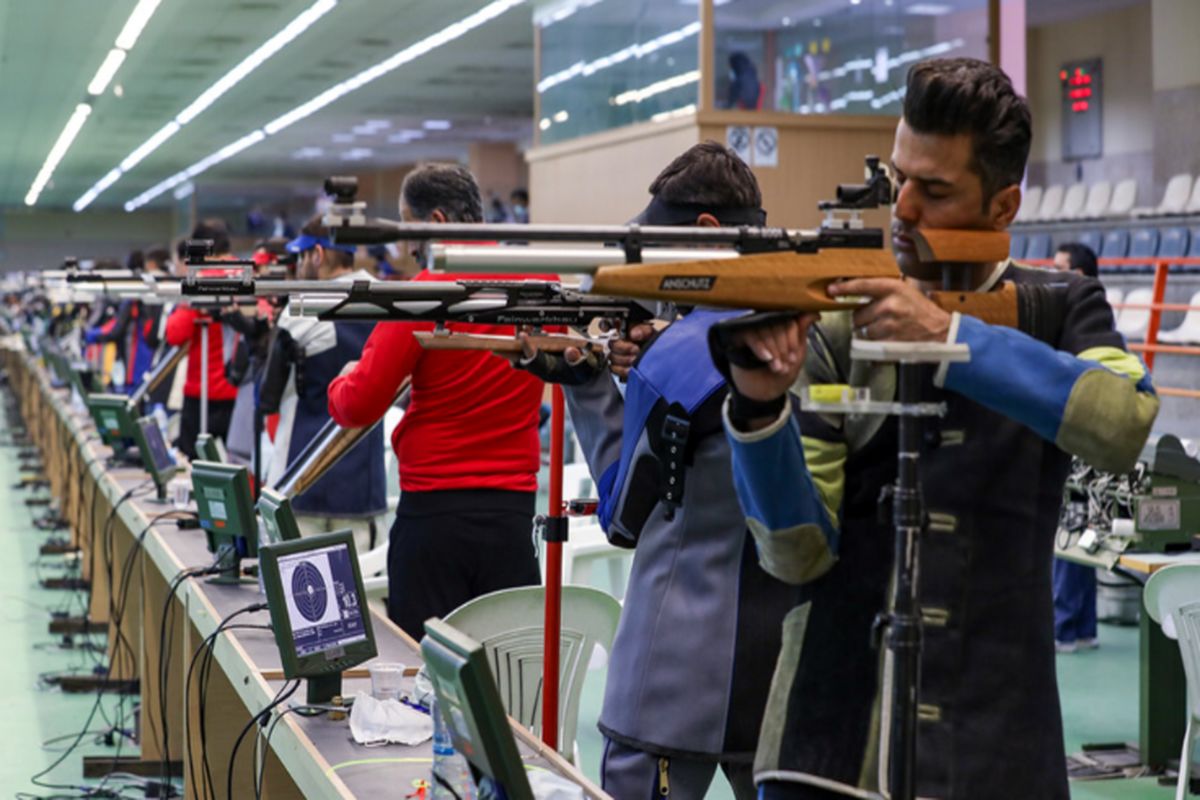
{"x": 450, "y": 547}
{"x": 219, "y": 414}
{"x": 780, "y": 790}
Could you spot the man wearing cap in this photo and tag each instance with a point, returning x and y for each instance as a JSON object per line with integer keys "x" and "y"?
{"x": 700, "y": 630}
{"x": 305, "y": 356}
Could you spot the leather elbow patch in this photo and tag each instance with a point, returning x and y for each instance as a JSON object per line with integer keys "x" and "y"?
{"x": 793, "y": 555}
{"x": 1107, "y": 420}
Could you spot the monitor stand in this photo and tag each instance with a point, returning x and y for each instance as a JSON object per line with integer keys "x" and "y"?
{"x": 321, "y": 690}
{"x": 230, "y": 565}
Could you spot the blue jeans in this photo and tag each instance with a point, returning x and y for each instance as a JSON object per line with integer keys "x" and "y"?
{"x": 1074, "y": 601}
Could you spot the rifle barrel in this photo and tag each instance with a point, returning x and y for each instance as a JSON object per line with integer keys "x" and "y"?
{"x": 558, "y": 260}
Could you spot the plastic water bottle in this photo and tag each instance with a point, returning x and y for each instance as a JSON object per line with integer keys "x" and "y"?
{"x": 447, "y": 764}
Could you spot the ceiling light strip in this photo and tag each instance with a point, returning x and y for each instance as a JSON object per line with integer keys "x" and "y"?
{"x": 586, "y": 68}
{"x": 108, "y": 69}
{"x": 333, "y": 93}
{"x": 210, "y": 95}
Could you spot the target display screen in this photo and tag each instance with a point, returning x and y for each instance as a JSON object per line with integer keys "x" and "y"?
{"x": 322, "y": 600}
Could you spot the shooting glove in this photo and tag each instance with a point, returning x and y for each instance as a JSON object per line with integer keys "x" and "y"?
{"x": 726, "y": 354}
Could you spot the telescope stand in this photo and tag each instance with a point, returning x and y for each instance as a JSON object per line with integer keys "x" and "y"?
{"x": 203, "y": 322}
{"x": 902, "y": 619}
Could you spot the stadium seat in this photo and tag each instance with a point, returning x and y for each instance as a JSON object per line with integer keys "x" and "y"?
{"x": 1143, "y": 243}
{"x": 1098, "y": 199}
{"x": 1073, "y": 202}
{"x": 1173, "y": 242}
{"x": 1124, "y": 197}
{"x": 1031, "y": 202}
{"x": 1016, "y": 246}
{"x": 1037, "y": 247}
{"x": 1193, "y": 205}
{"x": 1052, "y": 200}
{"x": 1188, "y": 331}
{"x": 1132, "y": 322}
{"x": 1093, "y": 239}
{"x": 1174, "y": 200}
{"x": 1115, "y": 244}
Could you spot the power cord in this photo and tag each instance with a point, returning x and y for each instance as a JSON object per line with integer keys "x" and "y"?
{"x": 286, "y": 691}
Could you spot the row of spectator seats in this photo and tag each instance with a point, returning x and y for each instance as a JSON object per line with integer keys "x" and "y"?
{"x": 1101, "y": 200}
{"x": 1132, "y": 323}
{"x": 1148, "y": 243}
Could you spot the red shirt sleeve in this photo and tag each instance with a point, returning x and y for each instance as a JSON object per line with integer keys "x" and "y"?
{"x": 364, "y": 394}
{"x": 181, "y": 325}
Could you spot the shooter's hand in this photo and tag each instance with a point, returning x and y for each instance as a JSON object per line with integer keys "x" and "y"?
{"x": 625, "y": 352}
{"x": 899, "y": 311}
{"x": 761, "y": 362}
{"x": 571, "y": 368}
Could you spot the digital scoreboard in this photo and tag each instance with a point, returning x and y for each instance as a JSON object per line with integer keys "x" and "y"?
{"x": 1082, "y": 118}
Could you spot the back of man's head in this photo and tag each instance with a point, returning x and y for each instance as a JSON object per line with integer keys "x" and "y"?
{"x": 216, "y": 230}
{"x": 708, "y": 174}
{"x": 158, "y": 259}
{"x": 337, "y": 259}
{"x": 449, "y": 189}
{"x": 952, "y": 96}
{"x": 1081, "y": 258}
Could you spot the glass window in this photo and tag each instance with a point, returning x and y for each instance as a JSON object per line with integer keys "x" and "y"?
{"x": 835, "y": 56}
{"x": 607, "y": 63}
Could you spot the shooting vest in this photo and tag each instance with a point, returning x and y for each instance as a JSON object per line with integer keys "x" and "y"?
{"x": 699, "y": 634}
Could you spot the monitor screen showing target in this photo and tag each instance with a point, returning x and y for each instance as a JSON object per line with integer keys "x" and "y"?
{"x": 322, "y": 600}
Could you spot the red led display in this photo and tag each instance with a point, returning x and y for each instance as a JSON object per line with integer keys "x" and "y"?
{"x": 1079, "y": 94}
{"x": 1079, "y": 106}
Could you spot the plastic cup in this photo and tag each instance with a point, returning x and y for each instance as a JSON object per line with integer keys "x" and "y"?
{"x": 385, "y": 680}
{"x": 180, "y": 490}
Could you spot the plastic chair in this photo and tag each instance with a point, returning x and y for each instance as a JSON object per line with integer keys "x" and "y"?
{"x": 1172, "y": 599}
{"x": 1124, "y": 197}
{"x": 1143, "y": 243}
{"x": 1093, "y": 239}
{"x": 1098, "y": 199}
{"x": 1038, "y": 246}
{"x": 1052, "y": 200}
{"x": 1114, "y": 296}
{"x": 1193, "y": 204}
{"x": 1173, "y": 242}
{"x": 509, "y": 625}
{"x": 1174, "y": 199}
{"x": 587, "y": 547}
{"x": 1188, "y": 331}
{"x": 1133, "y": 322}
{"x": 1073, "y": 201}
{"x": 1031, "y": 203}
{"x": 1115, "y": 244}
{"x": 1016, "y": 246}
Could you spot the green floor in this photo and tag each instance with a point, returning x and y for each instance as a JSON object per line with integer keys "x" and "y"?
{"x": 1098, "y": 688}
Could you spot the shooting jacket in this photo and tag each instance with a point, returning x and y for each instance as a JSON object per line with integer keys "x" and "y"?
{"x": 309, "y": 354}
{"x": 992, "y": 472}
{"x": 699, "y": 633}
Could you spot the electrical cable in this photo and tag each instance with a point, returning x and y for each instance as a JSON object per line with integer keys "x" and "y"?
{"x": 284, "y": 693}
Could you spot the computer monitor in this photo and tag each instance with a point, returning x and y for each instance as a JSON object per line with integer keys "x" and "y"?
{"x": 222, "y": 493}
{"x": 114, "y": 421}
{"x": 277, "y": 516}
{"x": 155, "y": 456}
{"x": 60, "y": 369}
{"x": 211, "y": 448}
{"x": 318, "y": 610}
{"x": 470, "y": 704}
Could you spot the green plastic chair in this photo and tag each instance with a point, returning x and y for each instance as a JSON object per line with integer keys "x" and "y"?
{"x": 1172, "y": 599}
{"x": 509, "y": 625}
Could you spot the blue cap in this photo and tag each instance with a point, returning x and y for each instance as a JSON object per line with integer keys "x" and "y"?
{"x": 304, "y": 243}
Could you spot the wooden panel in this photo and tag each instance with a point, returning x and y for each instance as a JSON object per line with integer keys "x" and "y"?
{"x": 154, "y": 596}
{"x": 603, "y": 178}
{"x": 815, "y": 155}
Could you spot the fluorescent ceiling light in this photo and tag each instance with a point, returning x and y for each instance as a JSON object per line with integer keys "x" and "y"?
{"x": 106, "y": 181}
{"x": 142, "y": 13}
{"x": 436, "y": 125}
{"x": 928, "y": 9}
{"x": 399, "y": 59}
{"x": 69, "y": 132}
{"x": 357, "y": 154}
{"x": 342, "y": 138}
{"x": 185, "y": 191}
{"x": 405, "y": 136}
{"x": 305, "y": 153}
{"x": 690, "y": 108}
{"x": 562, "y": 116}
{"x": 108, "y": 68}
{"x": 586, "y": 68}
{"x": 210, "y": 95}
{"x": 658, "y": 87}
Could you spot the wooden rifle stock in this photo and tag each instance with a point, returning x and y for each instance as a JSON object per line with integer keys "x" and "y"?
{"x": 503, "y": 345}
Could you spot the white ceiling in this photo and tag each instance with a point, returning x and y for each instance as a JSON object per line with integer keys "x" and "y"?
{"x": 49, "y": 50}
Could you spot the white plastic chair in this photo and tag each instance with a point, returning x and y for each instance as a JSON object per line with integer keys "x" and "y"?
{"x": 1124, "y": 197}
{"x": 1133, "y": 322}
{"x": 1031, "y": 203}
{"x": 509, "y": 625}
{"x": 1174, "y": 199}
{"x": 1188, "y": 331}
{"x": 1114, "y": 296}
{"x": 1073, "y": 202}
{"x": 1098, "y": 199}
{"x": 1172, "y": 599}
{"x": 1193, "y": 205}
{"x": 1052, "y": 200}
{"x": 587, "y": 544}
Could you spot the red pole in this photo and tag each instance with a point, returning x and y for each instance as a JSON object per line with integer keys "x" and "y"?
{"x": 1160, "y": 290}
{"x": 553, "y": 622}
